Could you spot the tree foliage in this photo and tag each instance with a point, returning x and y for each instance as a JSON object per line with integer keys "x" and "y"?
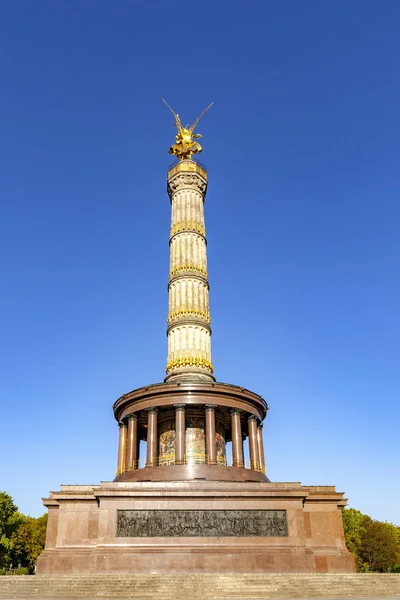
{"x": 10, "y": 520}
{"x": 353, "y": 525}
{"x": 379, "y": 546}
{"x": 375, "y": 545}
{"x": 21, "y": 538}
{"x": 28, "y": 541}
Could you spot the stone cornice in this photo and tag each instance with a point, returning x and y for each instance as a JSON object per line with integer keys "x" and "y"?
{"x": 167, "y": 394}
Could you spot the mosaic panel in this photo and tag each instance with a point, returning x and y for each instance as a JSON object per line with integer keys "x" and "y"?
{"x": 195, "y": 439}
{"x": 166, "y": 445}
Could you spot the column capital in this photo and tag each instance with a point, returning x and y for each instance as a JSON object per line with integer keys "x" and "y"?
{"x": 185, "y": 180}
{"x": 236, "y": 411}
{"x": 179, "y": 406}
{"x": 260, "y": 426}
{"x": 253, "y": 418}
{"x": 210, "y": 406}
{"x": 131, "y": 416}
{"x": 152, "y": 409}
{"x": 121, "y": 424}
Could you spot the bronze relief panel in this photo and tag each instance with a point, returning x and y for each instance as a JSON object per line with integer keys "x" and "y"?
{"x": 202, "y": 523}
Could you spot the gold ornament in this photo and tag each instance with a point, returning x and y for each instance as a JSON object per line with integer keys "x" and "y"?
{"x": 185, "y": 145}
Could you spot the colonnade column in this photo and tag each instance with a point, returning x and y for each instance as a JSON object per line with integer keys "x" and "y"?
{"x": 261, "y": 459}
{"x": 179, "y": 434}
{"x": 152, "y": 438}
{"x": 253, "y": 443}
{"x": 243, "y": 440}
{"x": 211, "y": 444}
{"x": 131, "y": 448}
{"x": 121, "y": 467}
{"x": 237, "y": 442}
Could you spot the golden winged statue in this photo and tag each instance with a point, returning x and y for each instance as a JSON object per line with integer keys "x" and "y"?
{"x": 185, "y": 144}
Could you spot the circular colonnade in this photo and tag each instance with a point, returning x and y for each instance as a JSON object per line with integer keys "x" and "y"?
{"x": 186, "y": 427}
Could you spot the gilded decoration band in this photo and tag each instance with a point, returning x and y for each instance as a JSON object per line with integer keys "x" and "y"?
{"x": 189, "y": 361}
{"x": 188, "y": 268}
{"x": 193, "y": 226}
{"x": 182, "y": 313}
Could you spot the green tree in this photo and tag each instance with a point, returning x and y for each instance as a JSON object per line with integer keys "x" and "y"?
{"x": 354, "y": 528}
{"x": 379, "y": 546}
{"x": 28, "y": 541}
{"x": 10, "y": 519}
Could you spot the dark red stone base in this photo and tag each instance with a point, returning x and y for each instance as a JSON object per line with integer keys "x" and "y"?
{"x": 220, "y": 559}
{"x": 82, "y": 529}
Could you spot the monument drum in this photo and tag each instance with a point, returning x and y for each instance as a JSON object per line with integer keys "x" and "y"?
{"x": 183, "y": 505}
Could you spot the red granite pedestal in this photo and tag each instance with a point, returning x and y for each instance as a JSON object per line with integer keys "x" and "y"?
{"x": 83, "y": 534}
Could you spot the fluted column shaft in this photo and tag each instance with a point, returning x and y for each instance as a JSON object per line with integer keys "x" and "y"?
{"x": 152, "y": 438}
{"x": 237, "y": 444}
{"x": 211, "y": 443}
{"x": 121, "y": 467}
{"x": 189, "y": 330}
{"x": 132, "y": 443}
{"x": 261, "y": 458}
{"x": 253, "y": 443}
{"x": 179, "y": 434}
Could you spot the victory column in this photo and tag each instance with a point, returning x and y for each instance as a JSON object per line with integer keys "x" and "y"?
{"x": 182, "y": 507}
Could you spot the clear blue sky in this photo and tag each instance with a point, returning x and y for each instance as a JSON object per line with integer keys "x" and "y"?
{"x": 302, "y": 214}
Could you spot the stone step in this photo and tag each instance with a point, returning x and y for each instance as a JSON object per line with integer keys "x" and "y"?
{"x": 198, "y": 586}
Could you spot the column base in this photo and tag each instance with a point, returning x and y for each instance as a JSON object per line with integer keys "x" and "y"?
{"x": 189, "y": 377}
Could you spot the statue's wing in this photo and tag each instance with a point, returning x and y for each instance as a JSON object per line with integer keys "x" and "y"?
{"x": 177, "y": 119}
{"x": 199, "y": 117}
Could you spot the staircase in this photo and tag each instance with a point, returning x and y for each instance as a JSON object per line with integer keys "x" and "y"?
{"x": 195, "y": 586}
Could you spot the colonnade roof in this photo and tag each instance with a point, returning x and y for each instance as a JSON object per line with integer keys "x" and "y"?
{"x": 191, "y": 393}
